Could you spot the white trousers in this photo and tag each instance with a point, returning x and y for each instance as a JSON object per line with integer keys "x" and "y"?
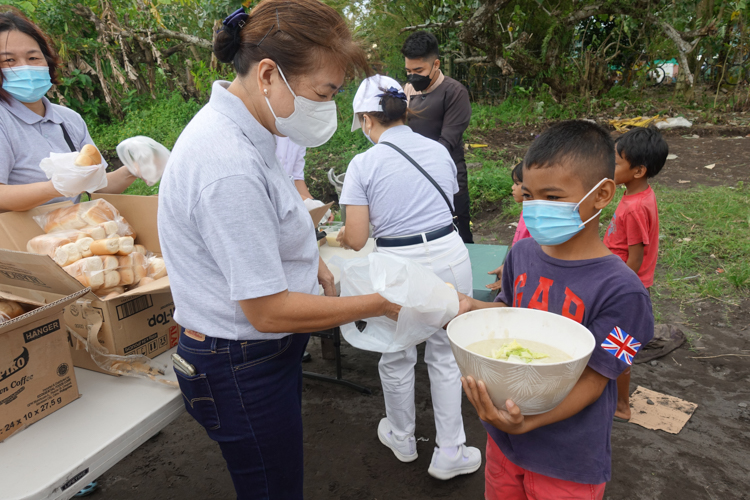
{"x": 448, "y": 258}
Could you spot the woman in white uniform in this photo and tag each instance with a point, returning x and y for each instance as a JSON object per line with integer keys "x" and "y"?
{"x": 411, "y": 214}
{"x": 292, "y": 159}
{"x": 240, "y": 246}
{"x": 31, "y": 127}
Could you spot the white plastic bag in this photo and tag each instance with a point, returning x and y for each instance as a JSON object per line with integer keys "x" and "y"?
{"x": 674, "y": 123}
{"x": 71, "y": 180}
{"x": 427, "y": 302}
{"x": 144, "y": 157}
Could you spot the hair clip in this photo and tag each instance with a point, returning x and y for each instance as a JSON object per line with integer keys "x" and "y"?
{"x": 278, "y": 28}
{"x": 393, "y": 92}
{"x": 236, "y": 20}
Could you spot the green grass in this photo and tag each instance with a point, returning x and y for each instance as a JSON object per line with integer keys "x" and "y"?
{"x": 490, "y": 183}
{"x": 163, "y": 120}
{"x": 704, "y": 247}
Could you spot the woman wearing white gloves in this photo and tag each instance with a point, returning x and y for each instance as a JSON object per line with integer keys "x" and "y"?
{"x": 31, "y": 128}
{"x": 404, "y": 186}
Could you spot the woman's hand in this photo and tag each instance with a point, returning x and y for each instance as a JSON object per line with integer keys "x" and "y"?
{"x": 510, "y": 421}
{"x": 497, "y": 284}
{"x": 326, "y": 279}
{"x": 391, "y": 310}
{"x": 340, "y": 238}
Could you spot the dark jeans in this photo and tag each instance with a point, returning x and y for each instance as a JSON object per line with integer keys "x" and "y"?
{"x": 248, "y": 397}
{"x": 462, "y": 205}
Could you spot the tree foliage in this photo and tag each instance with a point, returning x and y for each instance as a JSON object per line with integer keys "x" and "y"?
{"x": 119, "y": 53}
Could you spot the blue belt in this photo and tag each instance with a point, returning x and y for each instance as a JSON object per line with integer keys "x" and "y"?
{"x": 405, "y": 241}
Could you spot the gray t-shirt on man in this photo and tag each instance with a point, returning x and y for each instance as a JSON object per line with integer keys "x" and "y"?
{"x": 231, "y": 223}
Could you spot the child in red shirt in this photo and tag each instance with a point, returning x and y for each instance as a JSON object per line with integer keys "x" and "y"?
{"x": 633, "y": 233}
{"x": 521, "y": 231}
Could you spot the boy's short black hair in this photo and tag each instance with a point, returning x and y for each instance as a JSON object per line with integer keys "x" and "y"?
{"x": 421, "y": 45}
{"x": 643, "y": 146}
{"x": 517, "y": 172}
{"x": 582, "y": 144}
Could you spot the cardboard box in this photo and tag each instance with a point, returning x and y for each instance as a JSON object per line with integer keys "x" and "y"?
{"x": 137, "y": 322}
{"x": 36, "y": 368}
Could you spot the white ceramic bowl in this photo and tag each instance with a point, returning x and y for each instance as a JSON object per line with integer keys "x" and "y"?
{"x": 535, "y": 388}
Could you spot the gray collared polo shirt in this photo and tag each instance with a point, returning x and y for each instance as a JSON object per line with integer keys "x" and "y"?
{"x": 231, "y": 223}
{"x": 27, "y": 138}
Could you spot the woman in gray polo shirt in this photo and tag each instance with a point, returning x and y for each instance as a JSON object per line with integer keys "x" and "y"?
{"x": 31, "y": 127}
{"x": 240, "y": 247}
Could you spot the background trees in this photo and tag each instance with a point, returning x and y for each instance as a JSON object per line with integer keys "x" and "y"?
{"x": 119, "y": 53}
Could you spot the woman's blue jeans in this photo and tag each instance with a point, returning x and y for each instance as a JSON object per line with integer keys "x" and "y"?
{"x": 248, "y": 396}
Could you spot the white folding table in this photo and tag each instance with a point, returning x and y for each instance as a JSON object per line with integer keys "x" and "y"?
{"x": 59, "y": 455}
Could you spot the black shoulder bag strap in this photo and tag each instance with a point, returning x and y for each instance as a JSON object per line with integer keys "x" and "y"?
{"x": 429, "y": 177}
{"x": 68, "y": 139}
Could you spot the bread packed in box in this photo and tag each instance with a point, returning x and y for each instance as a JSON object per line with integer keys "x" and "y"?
{"x": 93, "y": 243}
{"x": 10, "y": 309}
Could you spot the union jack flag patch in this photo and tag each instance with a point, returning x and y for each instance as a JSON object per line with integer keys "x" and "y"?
{"x": 621, "y": 345}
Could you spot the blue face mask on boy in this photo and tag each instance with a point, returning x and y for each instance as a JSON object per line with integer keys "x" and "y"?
{"x": 27, "y": 83}
{"x": 555, "y": 222}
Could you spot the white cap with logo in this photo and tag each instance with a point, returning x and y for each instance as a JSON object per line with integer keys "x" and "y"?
{"x": 366, "y": 99}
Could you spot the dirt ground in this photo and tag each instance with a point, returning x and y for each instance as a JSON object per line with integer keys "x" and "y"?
{"x": 708, "y": 459}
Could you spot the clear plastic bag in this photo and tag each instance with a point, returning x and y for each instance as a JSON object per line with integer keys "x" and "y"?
{"x": 71, "y": 180}
{"x": 144, "y": 157}
{"x": 106, "y": 274}
{"x": 134, "y": 365}
{"x": 427, "y": 302}
{"x": 90, "y": 214}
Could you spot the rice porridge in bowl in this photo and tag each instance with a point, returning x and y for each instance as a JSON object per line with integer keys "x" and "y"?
{"x": 531, "y": 357}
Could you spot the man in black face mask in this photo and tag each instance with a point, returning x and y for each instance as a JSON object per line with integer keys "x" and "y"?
{"x": 442, "y": 112}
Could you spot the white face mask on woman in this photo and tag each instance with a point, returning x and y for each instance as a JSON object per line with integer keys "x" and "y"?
{"x": 311, "y": 124}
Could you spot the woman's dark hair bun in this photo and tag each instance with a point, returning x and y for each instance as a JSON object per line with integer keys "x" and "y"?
{"x": 393, "y": 107}
{"x": 227, "y": 43}
{"x": 393, "y": 102}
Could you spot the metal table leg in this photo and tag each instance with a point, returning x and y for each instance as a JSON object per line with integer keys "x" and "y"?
{"x": 335, "y": 334}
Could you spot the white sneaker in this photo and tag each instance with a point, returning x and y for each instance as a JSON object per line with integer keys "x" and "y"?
{"x": 404, "y": 449}
{"x": 466, "y": 460}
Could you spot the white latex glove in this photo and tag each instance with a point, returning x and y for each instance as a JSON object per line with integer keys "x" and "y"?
{"x": 144, "y": 157}
{"x": 71, "y": 180}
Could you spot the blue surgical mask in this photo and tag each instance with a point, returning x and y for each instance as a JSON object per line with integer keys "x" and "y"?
{"x": 555, "y": 222}
{"x": 367, "y": 135}
{"x": 27, "y": 83}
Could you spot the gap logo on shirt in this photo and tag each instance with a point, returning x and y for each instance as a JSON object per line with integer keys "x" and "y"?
{"x": 572, "y": 308}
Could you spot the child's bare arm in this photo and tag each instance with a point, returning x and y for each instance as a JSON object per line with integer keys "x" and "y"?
{"x": 474, "y": 304}
{"x": 587, "y": 390}
{"x": 635, "y": 257}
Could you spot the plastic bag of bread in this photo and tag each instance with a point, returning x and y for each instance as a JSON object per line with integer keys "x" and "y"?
{"x": 144, "y": 157}
{"x": 9, "y": 309}
{"x": 157, "y": 269}
{"x": 110, "y": 293}
{"x": 46, "y": 244}
{"x": 96, "y": 213}
{"x": 75, "y": 173}
{"x": 89, "y": 272}
{"x": 132, "y": 268}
